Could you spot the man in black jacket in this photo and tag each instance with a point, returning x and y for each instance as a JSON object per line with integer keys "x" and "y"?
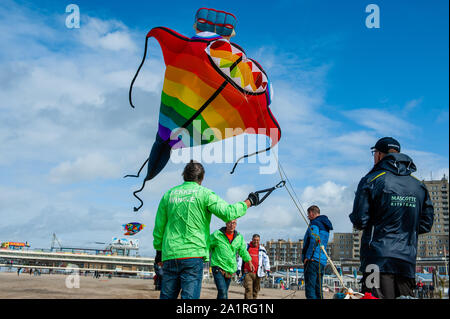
{"x": 392, "y": 208}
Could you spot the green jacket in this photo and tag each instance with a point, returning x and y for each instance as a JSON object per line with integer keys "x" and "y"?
{"x": 223, "y": 253}
{"x": 183, "y": 218}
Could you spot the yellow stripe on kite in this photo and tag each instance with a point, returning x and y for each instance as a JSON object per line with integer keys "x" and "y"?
{"x": 190, "y": 98}
{"x": 220, "y": 113}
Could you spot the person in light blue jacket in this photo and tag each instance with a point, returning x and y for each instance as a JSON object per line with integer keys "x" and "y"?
{"x": 314, "y": 259}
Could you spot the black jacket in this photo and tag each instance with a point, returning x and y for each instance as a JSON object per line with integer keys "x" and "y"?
{"x": 392, "y": 208}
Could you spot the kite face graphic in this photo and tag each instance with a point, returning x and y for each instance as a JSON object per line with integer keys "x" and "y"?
{"x": 132, "y": 228}
{"x": 243, "y": 73}
{"x": 210, "y": 80}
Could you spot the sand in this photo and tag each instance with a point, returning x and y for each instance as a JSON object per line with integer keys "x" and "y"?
{"x": 54, "y": 287}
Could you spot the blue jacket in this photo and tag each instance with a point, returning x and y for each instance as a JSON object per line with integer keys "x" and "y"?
{"x": 320, "y": 227}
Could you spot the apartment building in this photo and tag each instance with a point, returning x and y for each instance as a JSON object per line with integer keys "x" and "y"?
{"x": 285, "y": 251}
{"x": 433, "y": 243}
{"x": 342, "y": 246}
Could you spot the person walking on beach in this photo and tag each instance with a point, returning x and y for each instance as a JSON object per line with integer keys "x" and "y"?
{"x": 392, "y": 208}
{"x": 431, "y": 288}
{"x": 181, "y": 232}
{"x": 261, "y": 267}
{"x": 314, "y": 259}
{"x": 225, "y": 243}
{"x": 420, "y": 289}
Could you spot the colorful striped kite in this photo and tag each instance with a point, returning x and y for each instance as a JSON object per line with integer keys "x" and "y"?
{"x": 207, "y": 79}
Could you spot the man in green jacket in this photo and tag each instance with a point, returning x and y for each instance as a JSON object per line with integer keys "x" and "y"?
{"x": 181, "y": 233}
{"x": 224, "y": 244}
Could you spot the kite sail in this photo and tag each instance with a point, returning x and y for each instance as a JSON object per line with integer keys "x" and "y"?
{"x": 132, "y": 228}
{"x": 211, "y": 91}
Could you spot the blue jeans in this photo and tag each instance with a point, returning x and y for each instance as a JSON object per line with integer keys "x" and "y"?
{"x": 222, "y": 283}
{"x": 313, "y": 280}
{"x": 182, "y": 274}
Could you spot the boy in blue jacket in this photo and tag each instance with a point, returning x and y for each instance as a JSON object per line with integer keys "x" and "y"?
{"x": 314, "y": 259}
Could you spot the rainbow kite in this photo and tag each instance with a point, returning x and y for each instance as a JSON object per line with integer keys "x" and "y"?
{"x": 209, "y": 84}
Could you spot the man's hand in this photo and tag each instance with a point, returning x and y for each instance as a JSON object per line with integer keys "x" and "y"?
{"x": 158, "y": 257}
{"x": 252, "y": 267}
{"x": 253, "y": 198}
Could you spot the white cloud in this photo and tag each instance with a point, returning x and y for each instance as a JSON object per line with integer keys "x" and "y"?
{"x": 86, "y": 168}
{"x": 237, "y": 194}
{"x": 334, "y": 201}
{"x": 412, "y": 104}
{"x": 384, "y": 123}
{"x": 108, "y": 35}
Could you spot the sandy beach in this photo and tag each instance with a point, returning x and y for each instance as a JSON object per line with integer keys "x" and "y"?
{"x": 54, "y": 287}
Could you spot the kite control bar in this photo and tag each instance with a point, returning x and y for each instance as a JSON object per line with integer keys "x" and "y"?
{"x": 269, "y": 191}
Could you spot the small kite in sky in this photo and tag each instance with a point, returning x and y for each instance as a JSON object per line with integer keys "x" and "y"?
{"x": 133, "y": 228}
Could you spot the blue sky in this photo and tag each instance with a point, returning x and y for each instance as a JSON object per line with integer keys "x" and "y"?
{"x": 68, "y": 135}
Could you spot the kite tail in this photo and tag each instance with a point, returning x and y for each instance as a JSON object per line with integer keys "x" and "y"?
{"x": 159, "y": 156}
{"x": 138, "y": 191}
{"x": 139, "y": 170}
{"x": 137, "y": 72}
{"x": 248, "y": 155}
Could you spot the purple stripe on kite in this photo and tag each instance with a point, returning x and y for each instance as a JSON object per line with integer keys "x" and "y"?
{"x": 164, "y": 133}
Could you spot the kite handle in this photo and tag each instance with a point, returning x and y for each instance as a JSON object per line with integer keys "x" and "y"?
{"x": 280, "y": 184}
{"x": 137, "y": 72}
{"x": 269, "y": 190}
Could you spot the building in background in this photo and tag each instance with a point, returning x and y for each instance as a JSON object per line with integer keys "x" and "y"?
{"x": 284, "y": 252}
{"x": 341, "y": 246}
{"x": 432, "y": 244}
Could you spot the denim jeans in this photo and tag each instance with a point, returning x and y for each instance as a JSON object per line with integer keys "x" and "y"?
{"x": 182, "y": 274}
{"x": 313, "y": 280}
{"x": 222, "y": 283}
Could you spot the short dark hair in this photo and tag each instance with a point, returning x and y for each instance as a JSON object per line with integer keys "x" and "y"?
{"x": 314, "y": 209}
{"x": 256, "y": 235}
{"x": 193, "y": 172}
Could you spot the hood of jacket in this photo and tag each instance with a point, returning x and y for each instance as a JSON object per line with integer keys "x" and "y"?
{"x": 396, "y": 163}
{"x": 322, "y": 222}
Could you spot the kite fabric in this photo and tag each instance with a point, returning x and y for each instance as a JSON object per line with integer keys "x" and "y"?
{"x": 209, "y": 85}
{"x": 132, "y": 228}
